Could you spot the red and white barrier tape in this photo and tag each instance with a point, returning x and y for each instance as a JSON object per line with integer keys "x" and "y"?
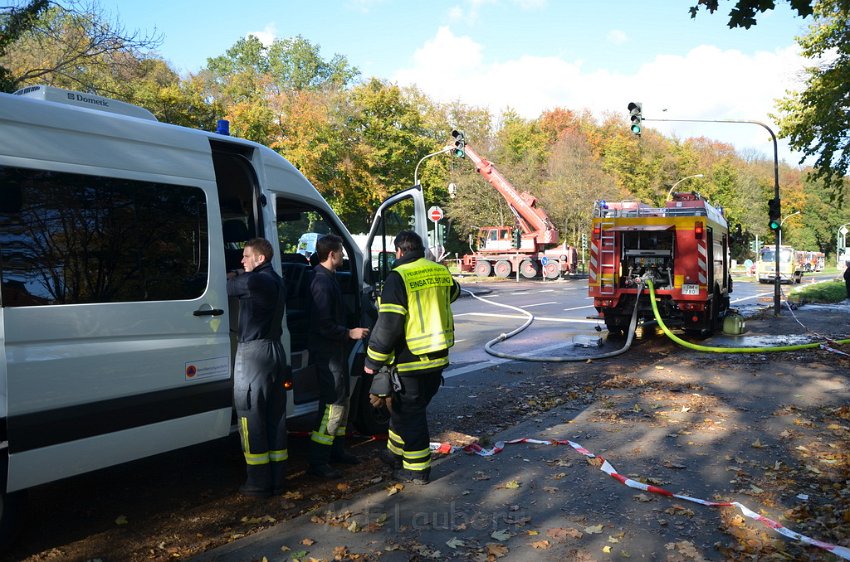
{"x": 607, "y": 468}
{"x": 833, "y": 350}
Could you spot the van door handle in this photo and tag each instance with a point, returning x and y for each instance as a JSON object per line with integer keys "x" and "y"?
{"x": 209, "y": 312}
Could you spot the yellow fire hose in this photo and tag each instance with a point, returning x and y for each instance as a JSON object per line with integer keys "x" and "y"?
{"x": 697, "y": 347}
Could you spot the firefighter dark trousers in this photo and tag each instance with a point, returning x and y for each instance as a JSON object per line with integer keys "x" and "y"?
{"x": 328, "y": 434}
{"x": 409, "y": 438}
{"x": 260, "y": 401}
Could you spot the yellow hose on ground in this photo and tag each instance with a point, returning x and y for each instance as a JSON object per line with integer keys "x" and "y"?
{"x": 697, "y": 347}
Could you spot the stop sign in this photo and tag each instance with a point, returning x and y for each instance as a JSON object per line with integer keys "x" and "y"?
{"x": 435, "y": 214}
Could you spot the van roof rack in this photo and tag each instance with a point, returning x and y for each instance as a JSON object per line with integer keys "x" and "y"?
{"x": 81, "y": 99}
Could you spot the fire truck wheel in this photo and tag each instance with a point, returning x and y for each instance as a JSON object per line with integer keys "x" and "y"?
{"x": 552, "y": 269}
{"x": 483, "y": 268}
{"x": 529, "y": 269}
{"x": 502, "y": 269}
{"x": 616, "y": 327}
{"x": 714, "y": 321}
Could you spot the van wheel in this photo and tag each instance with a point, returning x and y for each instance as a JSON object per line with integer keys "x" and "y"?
{"x": 369, "y": 420}
{"x": 12, "y": 511}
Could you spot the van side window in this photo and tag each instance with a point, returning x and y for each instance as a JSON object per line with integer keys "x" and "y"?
{"x": 298, "y": 228}
{"x": 72, "y": 239}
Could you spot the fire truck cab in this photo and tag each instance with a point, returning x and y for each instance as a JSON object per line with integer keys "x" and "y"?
{"x": 683, "y": 247}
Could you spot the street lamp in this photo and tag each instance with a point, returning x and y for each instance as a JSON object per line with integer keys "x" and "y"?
{"x": 670, "y": 193}
{"x": 779, "y": 234}
{"x": 841, "y": 244}
{"x": 416, "y": 170}
{"x": 776, "y": 289}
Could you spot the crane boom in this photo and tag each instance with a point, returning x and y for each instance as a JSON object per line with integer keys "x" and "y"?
{"x": 530, "y": 249}
{"x": 533, "y": 220}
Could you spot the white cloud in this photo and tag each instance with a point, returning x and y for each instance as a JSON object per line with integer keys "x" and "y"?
{"x": 266, "y": 36}
{"x": 705, "y": 83}
{"x": 617, "y": 37}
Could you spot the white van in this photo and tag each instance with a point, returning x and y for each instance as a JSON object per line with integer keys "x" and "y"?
{"x": 116, "y": 233}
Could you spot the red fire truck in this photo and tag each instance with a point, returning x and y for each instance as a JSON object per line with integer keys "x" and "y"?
{"x": 683, "y": 247}
{"x": 530, "y": 246}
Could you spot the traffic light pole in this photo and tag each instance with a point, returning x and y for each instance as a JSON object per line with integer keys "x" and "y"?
{"x": 776, "y": 279}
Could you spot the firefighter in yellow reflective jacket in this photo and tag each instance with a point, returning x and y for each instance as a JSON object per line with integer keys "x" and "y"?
{"x": 413, "y": 334}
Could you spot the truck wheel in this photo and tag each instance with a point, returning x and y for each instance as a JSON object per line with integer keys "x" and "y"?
{"x": 502, "y": 269}
{"x": 617, "y": 326}
{"x": 369, "y": 420}
{"x": 552, "y": 269}
{"x": 483, "y": 268}
{"x": 529, "y": 269}
{"x": 12, "y": 511}
{"x": 717, "y": 311}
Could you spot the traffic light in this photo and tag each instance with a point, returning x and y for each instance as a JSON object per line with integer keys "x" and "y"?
{"x": 516, "y": 242}
{"x": 774, "y": 212}
{"x": 441, "y": 234}
{"x": 584, "y": 240}
{"x": 460, "y": 144}
{"x": 635, "y": 109}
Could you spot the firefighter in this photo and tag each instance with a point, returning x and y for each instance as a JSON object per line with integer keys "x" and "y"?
{"x": 260, "y": 370}
{"x": 412, "y": 335}
{"x": 329, "y": 338}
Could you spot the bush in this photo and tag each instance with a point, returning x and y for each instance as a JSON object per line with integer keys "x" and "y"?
{"x": 826, "y": 292}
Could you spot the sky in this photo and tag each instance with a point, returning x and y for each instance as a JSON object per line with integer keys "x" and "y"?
{"x": 527, "y": 55}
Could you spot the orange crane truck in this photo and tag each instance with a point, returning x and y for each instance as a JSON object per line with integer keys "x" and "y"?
{"x": 530, "y": 247}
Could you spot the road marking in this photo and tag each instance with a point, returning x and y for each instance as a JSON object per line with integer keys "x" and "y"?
{"x": 748, "y": 298}
{"x": 478, "y": 366}
{"x": 579, "y": 307}
{"x": 520, "y": 317}
{"x": 538, "y": 304}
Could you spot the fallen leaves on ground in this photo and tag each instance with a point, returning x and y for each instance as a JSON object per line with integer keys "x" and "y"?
{"x": 564, "y": 533}
{"x": 496, "y": 550}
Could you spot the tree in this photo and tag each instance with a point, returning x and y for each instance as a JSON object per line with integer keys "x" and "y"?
{"x": 816, "y": 120}
{"x": 15, "y": 22}
{"x": 574, "y": 180}
{"x": 744, "y": 12}
{"x": 52, "y": 45}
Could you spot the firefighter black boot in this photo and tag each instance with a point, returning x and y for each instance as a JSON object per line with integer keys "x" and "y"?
{"x": 258, "y": 484}
{"x": 338, "y": 453}
{"x": 390, "y": 459}
{"x": 320, "y": 456}
{"x": 278, "y": 478}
